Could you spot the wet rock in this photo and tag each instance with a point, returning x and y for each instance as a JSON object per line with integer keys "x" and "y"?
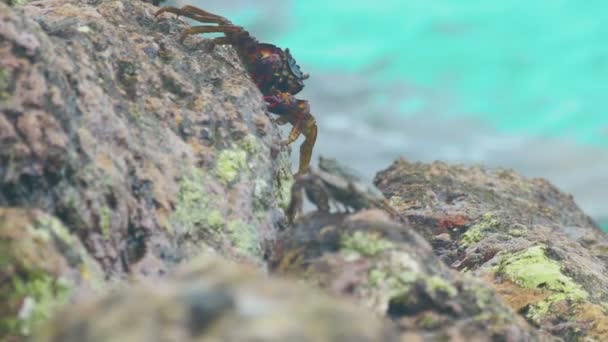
{"x": 391, "y": 269}
{"x": 148, "y": 150}
{"x": 214, "y": 300}
{"x": 526, "y": 239}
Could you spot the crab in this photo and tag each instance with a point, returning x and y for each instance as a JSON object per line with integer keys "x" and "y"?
{"x": 274, "y": 71}
{"x": 333, "y": 184}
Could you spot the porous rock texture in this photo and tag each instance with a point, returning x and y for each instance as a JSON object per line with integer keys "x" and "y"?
{"x": 527, "y": 240}
{"x": 392, "y": 271}
{"x": 115, "y": 137}
{"x": 124, "y": 154}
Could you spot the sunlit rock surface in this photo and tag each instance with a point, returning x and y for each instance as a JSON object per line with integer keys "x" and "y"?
{"x": 390, "y": 269}
{"x": 526, "y": 239}
{"x": 146, "y": 150}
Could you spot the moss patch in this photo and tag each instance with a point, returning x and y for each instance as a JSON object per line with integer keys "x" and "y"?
{"x": 364, "y": 243}
{"x": 230, "y": 163}
{"x": 38, "y": 257}
{"x": 476, "y": 232}
{"x": 105, "y": 221}
{"x": 244, "y": 238}
{"x": 438, "y": 285}
{"x": 196, "y": 209}
{"x": 40, "y": 295}
{"x": 4, "y": 84}
{"x": 532, "y": 269}
{"x": 250, "y": 144}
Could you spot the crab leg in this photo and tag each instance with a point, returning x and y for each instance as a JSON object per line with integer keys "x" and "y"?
{"x": 208, "y": 29}
{"x": 297, "y": 112}
{"x": 221, "y": 41}
{"x": 310, "y": 133}
{"x": 194, "y": 13}
{"x": 316, "y": 192}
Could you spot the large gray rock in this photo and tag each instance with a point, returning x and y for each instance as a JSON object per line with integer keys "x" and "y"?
{"x": 526, "y": 239}
{"x": 146, "y": 150}
{"x": 391, "y": 270}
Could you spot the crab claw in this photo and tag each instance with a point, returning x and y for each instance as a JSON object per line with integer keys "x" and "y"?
{"x": 272, "y": 100}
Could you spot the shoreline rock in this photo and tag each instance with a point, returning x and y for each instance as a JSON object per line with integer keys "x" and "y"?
{"x": 125, "y": 154}
{"x": 146, "y": 150}
{"x": 527, "y": 240}
{"x": 391, "y": 270}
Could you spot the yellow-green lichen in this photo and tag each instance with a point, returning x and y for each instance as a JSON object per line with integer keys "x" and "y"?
{"x": 215, "y": 220}
{"x": 105, "y": 220}
{"x": 4, "y": 84}
{"x": 364, "y": 243}
{"x": 196, "y": 209}
{"x": 244, "y": 238}
{"x": 41, "y": 294}
{"x": 230, "y": 163}
{"x": 17, "y": 2}
{"x": 439, "y": 285}
{"x": 377, "y": 277}
{"x": 397, "y": 279}
{"x": 516, "y": 232}
{"x": 37, "y": 255}
{"x": 250, "y": 144}
{"x": 391, "y": 282}
{"x": 532, "y": 268}
{"x": 476, "y": 232}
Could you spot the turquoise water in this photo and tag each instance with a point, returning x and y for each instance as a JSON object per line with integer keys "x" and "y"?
{"x": 525, "y": 66}
{"x": 518, "y": 83}
{"x": 536, "y": 67}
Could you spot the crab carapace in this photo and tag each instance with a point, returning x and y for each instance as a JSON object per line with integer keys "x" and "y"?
{"x": 274, "y": 71}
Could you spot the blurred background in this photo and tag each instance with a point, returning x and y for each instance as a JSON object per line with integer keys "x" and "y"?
{"x": 518, "y": 84}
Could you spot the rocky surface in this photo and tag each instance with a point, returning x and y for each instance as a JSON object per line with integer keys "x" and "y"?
{"x": 391, "y": 270}
{"x": 41, "y": 266}
{"x": 124, "y": 154}
{"x": 213, "y": 300}
{"x": 146, "y": 150}
{"x": 526, "y": 239}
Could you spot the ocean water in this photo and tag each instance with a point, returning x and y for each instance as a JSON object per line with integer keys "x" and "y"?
{"x": 518, "y": 84}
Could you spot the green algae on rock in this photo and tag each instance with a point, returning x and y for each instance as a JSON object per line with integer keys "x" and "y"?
{"x": 532, "y": 268}
{"x": 45, "y": 264}
{"x": 109, "y": 135}
{"x": 527, "y": 240}
{"x": 392, "y": 270}
{"x": 230, "y": 164}
{"x": 145, "y": 149}
{"x": 476, "y": 232}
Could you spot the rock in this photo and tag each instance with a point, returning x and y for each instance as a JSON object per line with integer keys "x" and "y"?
{"x": 148, "y": 150}
{"x": 213, "y": 300}
{"x": 41, "y": 264}
{"x": 526, "y": 239}
{"x": 391, "y": 269}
